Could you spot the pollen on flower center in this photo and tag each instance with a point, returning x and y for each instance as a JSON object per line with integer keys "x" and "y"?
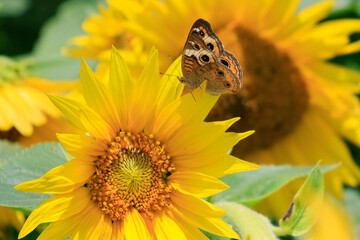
{"x": 132, "y": 174}
{"x": 274, "y": 95}
{"x": 133, "y": 171}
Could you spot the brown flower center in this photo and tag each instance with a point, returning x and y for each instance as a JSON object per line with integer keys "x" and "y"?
{"x": 132, "y": 174}
{"x": 274, "y": 95}
{"x": 12, "y": 135}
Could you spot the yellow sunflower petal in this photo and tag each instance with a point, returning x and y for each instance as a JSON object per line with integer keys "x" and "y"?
{"x": 62, "y": 179}
{"x": 108, "y": 229}
{"x": 221, "y": 146}
{"x": 49, "y": 86}
{"x": 91, "y": 226}
{"x": 20, "y": 100}
{"x": 96, "y": 95}
{"x": 140, "y": 31}
{"x": 143, "y": 102}
{"x": 82, "y": 145}
{"x": 71, "y": 142}
{"x": 239, "y": 165}
{"x": 6, "y": 115}
{"x": 135, "y": 226}
{"x": 117, "y": 231}
{"x": 21, "y": 124}
{"x": 191, "y": 231}
{"x": 69, "y": 108}
{"x": 166, "y": 228}
{"x": 197, "y": 184}
{"x": 182, "y": 112}
{"x": 335, "y": 28}
{"x": 280, "y": 12}
{"x": 58, "y": 207}
{"x": 204, "y": 102}
{"x": 121, "y": 93}
{"x": 172, "y": 88}
{"x": 190, "y": 202}
{"x": 42, "y": 102}
{"x": 305, "y": 20}
{"x": 60, "y": 230}
{"x": 95, "y": 124}
{"x": 200, "y": 135}
{"x": 212, "y": 225}
{"x": 222, "y": 166}
{"x": 344, "y": 78}
{"x": 350, "y": 48}
{"x": 128, "y": 8}
{"x": 35, "y": 110}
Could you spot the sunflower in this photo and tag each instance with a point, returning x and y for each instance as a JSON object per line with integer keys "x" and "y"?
{"x": 27, "y": 115}
{"x": 143, "y": 162}
{"x": 106, "y": 31}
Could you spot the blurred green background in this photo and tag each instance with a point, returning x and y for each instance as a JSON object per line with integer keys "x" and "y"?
{"x": 38, "y": 29}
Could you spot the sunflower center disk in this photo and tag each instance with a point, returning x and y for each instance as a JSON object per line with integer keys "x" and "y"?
{"x": 274, "y": 95}
{"x": 132, "y": 174}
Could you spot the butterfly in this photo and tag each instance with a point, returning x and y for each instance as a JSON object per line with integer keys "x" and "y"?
{"x": 204, "y": 58}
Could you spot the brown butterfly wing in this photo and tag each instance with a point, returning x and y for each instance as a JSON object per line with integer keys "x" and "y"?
{"x": 230, "y": 61}
{"x": 220, "y": 79}
{"x": 203, "y": 29}
{"x": 204, "y": 58}
{"x": 195, "y": 56}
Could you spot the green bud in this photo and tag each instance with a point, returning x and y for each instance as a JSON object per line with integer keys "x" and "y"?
{"x": 11, "y": 71}
{"x": 301, "y": 215}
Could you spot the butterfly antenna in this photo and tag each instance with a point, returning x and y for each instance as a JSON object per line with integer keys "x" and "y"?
{"x": 193, "y": 96}
{"x": 173, "y": 62}
{"x": 170, "y": 58}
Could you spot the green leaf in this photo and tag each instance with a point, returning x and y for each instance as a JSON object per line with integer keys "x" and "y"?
{"x": 214, "y": 237}
{"x": 246, "y": 222}
{"x": 352, "y": 201}
{"x": 8, "y": 149}
{"x": 11, "y": 8}
{"x": 27, "y": 165}
{"x": 339, "y": 5}
{"x": 49, "y": 62}
{"x": 300, "y": 217}
{"x": 251, "y": 187}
